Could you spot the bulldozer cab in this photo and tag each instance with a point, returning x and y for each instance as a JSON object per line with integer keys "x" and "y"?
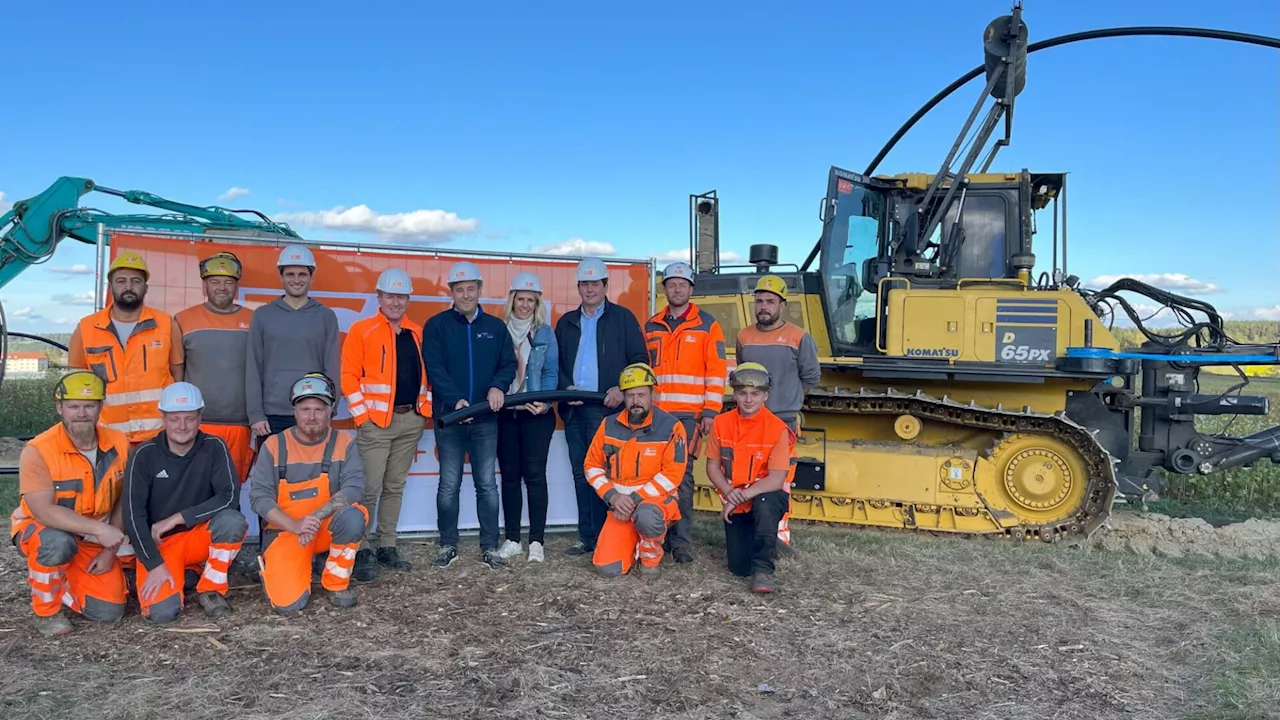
{"x": 871, "y": 241}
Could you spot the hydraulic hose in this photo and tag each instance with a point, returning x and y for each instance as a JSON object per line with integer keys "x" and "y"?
{"x": 1207, "y": 33}
{"x": 516, "y": 400}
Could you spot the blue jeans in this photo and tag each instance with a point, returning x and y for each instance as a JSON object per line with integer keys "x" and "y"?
{"x": 579, "y": 430}
{"x": 479, "y": 439}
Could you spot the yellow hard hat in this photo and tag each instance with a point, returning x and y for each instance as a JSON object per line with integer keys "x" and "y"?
{"x": 130, "y": 261}
{"x": 773, "y": 284}
{"x": 223, "y": 264}
{"x": 750, "y": 374}
{"x": 80, "y": 385}
{"x": 636, "y": 375}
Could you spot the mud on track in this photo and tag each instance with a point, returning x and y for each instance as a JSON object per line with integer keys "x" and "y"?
{"x": 864, "y": 625}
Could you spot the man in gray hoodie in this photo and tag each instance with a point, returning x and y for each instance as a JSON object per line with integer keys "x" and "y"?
{"x": 288, "y": 338}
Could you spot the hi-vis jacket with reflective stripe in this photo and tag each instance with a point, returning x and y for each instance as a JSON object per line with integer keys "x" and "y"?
{"x": 52, "y": 462}
{"x": 748, "y": 449}
{"x": 369, "y": 369}
{"x": 687, "y": 354}
{"x": 135, "y": 372}
{"x": 646, "y": 461}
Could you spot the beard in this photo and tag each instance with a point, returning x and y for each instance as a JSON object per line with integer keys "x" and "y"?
{"x": 636, "y": 414}
{"x": 129, "y": 300}
{"x": 81, "y": 432}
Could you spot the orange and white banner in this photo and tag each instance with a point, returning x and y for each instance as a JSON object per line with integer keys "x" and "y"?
{"x": 344, "y": 280}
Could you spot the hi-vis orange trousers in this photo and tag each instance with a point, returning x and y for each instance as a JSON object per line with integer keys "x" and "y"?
{"x": 58, "y": 572}
{"x": 286, "y": 565}
{"x": 207, "y": 548}
{"x": 239, "y": 442}
{"x": 623, "y": 541}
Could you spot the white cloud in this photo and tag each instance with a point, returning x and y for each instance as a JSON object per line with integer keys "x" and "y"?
{"x": 1173, "y": 282}
{"x": 24, "y": 313}
{"x": 682, "y": 255}
{"x": 428, "y": 226}
{"x": 1258, "y": 313}
{"x": 4, "y": 204}
{"x": 63, "y": 321}
{"x": 578, "y": 247}
{"x": 81, "y": 298}
{"x": 77, "y": 269}
{"x": 233, "y": 192}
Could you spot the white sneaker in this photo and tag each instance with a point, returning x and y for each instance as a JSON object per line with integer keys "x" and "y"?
{"x": 509, "y": 548}
{"x": 535, "y": 552}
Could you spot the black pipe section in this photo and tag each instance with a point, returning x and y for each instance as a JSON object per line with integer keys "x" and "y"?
{"x": 516, "y": 400}
{"x": 1206, "y": 33}
{"x": 47, "y": 341}
{"x": 1252, "y": 448}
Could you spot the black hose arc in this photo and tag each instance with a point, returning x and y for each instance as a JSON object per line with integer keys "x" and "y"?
{"x": 1137, "y": 31}
{"x": 516, "y": 400}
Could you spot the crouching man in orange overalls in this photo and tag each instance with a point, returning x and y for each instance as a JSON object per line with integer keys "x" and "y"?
{"x": 750, "y": 458}
{"x": 69, "y": 524}
{"x": 306, "y": 484}
{"x": 635, "y": 463}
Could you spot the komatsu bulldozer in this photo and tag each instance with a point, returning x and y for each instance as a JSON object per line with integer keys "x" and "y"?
{"x": 960, "y": 392}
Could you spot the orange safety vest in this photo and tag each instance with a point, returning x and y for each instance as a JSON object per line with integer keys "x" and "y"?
{"x": 135, "y": 374}
{"x": 91, "y": 490}
{"x": 369, "y": 369}
{"x": 689, "y": 360}
{"x": 301, "y": 498}
{"x": 647, "y": 460}
{"x": 745, "y": 445}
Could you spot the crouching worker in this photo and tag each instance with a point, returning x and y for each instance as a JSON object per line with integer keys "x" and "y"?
{"x": 68, "y": 524}
{"x": 749, "y": 461}
{"x": 306, "y": 484}
{"x": 635, "y": 464}
{"x": 181, "y": 510}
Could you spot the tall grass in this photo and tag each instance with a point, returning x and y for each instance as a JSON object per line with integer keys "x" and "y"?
{"x": 26, "y": 406}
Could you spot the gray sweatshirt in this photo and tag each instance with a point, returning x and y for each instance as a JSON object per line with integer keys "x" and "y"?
{"x": 791, "y": 357}
{"x": 284, "y": 345}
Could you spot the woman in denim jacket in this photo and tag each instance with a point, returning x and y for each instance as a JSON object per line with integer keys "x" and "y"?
{"x": 524, "y": 432}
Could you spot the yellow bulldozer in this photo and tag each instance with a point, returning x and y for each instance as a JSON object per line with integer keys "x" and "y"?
{"x": 960, "y": 392}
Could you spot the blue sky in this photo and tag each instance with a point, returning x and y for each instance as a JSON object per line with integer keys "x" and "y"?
{"x": 536, "y": 128}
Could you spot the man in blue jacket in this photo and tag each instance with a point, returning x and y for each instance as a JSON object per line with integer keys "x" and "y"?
{"x": 596, "y": 341}
{"x": 469, "y": 359}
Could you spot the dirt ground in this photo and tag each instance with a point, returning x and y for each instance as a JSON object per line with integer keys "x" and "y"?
{"x": 864, "y": 625}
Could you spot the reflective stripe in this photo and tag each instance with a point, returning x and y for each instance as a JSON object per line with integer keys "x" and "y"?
{"x": 379, "y": 405}
{"x": 715, "y": 396}
{"x": 214, "y": 576}
{"x": 714, "y": 382}
{"x": 598, "y": 483}
{"x": 375, "y": 389}
{"x": 664, "y": 482}
{"x": 221, "y": 554}
{"x": 125, "y": 549}
{"x": 45, "y": 596}
{"x": 68, "y": 599}
{"x": 345, "y": 553}
{"x": 685, "y": 379}
{"x": 651, "y": 489}
{"x": 594, "y": 473}
{"x": 355, "y": 397}
{"x": 140, "y": 425}
{"x": 44, "y": 577}
{"x": 128, "y": 398}
{"x": 650, "y": 555}
{"x": 357, "y": 408}
{"x": 337, "y": 570}
{"x": 627, "y": 489}
{"x": 680, "y": 398}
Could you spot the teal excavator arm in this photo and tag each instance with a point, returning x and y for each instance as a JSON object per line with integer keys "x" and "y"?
{"x": 32, "y": 229}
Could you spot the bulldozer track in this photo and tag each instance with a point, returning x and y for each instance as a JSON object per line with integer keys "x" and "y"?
{"x": 1100, "y": 489}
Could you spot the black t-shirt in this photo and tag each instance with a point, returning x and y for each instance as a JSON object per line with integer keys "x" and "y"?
{"x": 158, "y": 484}
{"x": 408, "y": 370}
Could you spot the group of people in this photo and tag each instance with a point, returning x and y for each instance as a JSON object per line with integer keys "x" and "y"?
{"x": 163, "y": 419}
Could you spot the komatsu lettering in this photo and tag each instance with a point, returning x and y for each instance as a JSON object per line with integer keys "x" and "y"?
{"x": 933, "y": 352}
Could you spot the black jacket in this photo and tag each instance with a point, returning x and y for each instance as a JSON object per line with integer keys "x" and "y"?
{"x": 619, "y": 342}
{"x": 464, "y": 360}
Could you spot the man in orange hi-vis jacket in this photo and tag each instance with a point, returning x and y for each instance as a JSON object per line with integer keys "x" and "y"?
{"x": 750, "y": 453}
{"x": 635, "y": 464}
{"x": 686, "y": 350}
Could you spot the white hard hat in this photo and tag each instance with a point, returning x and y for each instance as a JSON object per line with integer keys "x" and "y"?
{"x": 312, "y": 385}
{"x": 181, "y": 397}
{"x": 678, "y": 270}
{"x": 296, "y": 255}
{"x": 592, "y": 269}
{"x": 395, "y": 281}
{"x": 462, "y": 272}
{"x": 527, "y": 282}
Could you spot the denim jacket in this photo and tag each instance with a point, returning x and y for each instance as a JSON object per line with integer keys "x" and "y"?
{"x": 541, "y": 372}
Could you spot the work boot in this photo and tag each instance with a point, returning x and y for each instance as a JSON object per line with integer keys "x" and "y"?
{"x": 366, "y": 569}
{"x": 650, "y": 573}
{"x": 317, "y": 566}
{"x": 492, "y": 561}
{"x": 190, "y": 579}
{"x": 578, "y": 548}
{"x": 342, "y": 599}
{"x": 446, "y": 556}
{"x": 390, "y": 557}
{"x": 762, "y": 583}
{"x": 785, "y": 549}
{"x": 214, "y": 604}
{"x": 682, "y": 555}
{"x": 54, "y": 625}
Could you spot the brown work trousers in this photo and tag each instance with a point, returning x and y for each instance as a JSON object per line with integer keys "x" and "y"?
{"x": 386, "y": 454}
